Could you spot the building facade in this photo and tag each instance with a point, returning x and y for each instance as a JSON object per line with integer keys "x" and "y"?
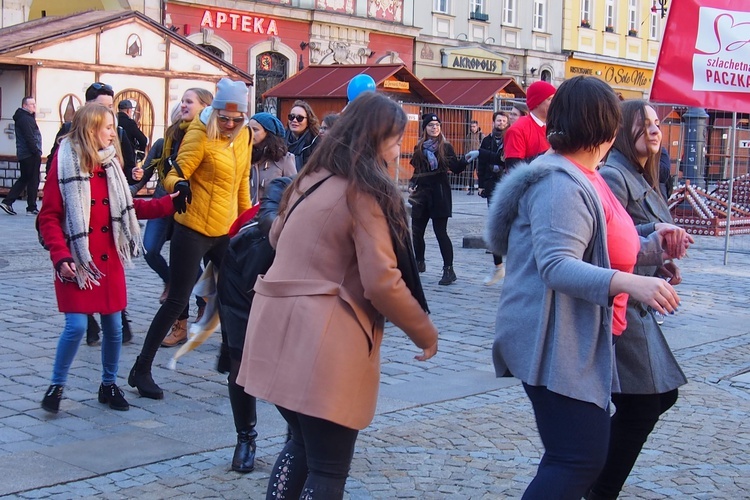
{"x": 615, "y": 40}
{"x": 488, "y": 38}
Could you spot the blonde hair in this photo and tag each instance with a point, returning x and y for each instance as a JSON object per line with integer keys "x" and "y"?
{"x": 214, "y": 132}
{"x": 83, "y": 135}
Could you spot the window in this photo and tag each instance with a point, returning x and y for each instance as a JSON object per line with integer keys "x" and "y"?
{"x": 540, "y": 11}
{"x": 509, "y": 12}
{"x": 586, "y": 17}
{"x": 609, "y": 15}
{"x": 442, "y": 6}
{"x": 477, "y": 6}
{"x": 653, "y": 29}
{"x": 632, "y": 15}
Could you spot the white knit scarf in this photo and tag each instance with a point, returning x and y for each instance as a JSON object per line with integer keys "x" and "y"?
{"x": 75, "y": 188}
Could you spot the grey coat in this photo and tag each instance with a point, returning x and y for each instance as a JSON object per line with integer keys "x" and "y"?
{"x": 645, "y": 363}
{"x": 554, "y": 320}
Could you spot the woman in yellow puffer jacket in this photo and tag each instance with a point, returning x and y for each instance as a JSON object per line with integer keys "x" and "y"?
{"x": 212, "y": 175}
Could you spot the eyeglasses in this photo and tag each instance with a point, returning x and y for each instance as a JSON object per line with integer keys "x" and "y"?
{"x": 433, "y": 124}
{"x": 100, "y": 85}
{"x": 227, "y": 119}
{"x": 297, "y": 118}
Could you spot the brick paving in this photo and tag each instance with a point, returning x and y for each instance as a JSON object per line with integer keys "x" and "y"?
{"x": 444, "y": 429}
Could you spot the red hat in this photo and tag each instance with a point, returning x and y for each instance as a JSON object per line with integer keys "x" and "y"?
{"x": 538, "y": 92}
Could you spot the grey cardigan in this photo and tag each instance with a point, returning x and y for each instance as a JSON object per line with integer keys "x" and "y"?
{"x": 645, "y": 363}
{"x": 554, "y": 320}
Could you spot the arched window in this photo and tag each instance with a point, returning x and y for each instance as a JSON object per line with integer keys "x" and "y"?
{"x": 271, "y": 68}
{"x": 144, "y": 110}
{"x": 546, "y": 76}
{"x": 213, "y": 50}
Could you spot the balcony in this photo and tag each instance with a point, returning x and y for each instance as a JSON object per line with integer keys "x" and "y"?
{"x": 479, "y": 16}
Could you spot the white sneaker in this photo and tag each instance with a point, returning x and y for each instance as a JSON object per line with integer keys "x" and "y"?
{"x": 498, "y": 273}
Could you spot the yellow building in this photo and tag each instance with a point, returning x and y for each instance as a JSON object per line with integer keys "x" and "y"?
{"x": 615, "y": 40}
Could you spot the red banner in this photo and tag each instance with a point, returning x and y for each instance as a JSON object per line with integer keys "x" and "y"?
{"x": 704, "y": 59}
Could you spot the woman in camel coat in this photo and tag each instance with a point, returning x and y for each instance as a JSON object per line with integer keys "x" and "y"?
{"x": 313, "y": 338}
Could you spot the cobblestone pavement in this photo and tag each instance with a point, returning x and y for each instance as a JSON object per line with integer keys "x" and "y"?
{"x": 444, "y": 429}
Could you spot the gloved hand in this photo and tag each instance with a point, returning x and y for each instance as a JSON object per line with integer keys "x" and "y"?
{"x": 471, "y": 155}
{"x": 185, "y": 196}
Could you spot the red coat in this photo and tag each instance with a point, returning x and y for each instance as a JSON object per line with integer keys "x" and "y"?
{"x": 111, "y": 295}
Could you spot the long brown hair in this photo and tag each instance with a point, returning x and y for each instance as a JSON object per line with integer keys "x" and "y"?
{"x": 176, "y": 131}
{"x": 634, "y": 117}
{"x": 352, "y": 151}
{"x": 87, "y": 122}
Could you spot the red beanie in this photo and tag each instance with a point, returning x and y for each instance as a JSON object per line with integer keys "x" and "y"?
{"x": 538, "y": 92}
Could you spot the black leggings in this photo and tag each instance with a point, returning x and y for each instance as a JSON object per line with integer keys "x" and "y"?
{"x": 440, "y": 226}
{"x": 634, "y": 419}
{"x": 315, "y": 462}
{"x": 186, "y": 250}
{"x": 575, "y": 435}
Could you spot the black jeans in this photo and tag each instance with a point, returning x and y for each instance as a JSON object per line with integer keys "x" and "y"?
{"x": 315, "y": 462}
{"x": 186, "y": 250}
{"x": 575, "y": 435}
{"x": 29, "y": 179}
{"x": 634, "y": 419}
{"x": 440, "y": 226}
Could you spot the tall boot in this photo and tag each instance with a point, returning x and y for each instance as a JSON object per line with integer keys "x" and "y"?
{"x": 245, "y": 419}
{"x": 127, "y": 334}
{"x": 92, "y": 331}
{"x": 140, "y": 378}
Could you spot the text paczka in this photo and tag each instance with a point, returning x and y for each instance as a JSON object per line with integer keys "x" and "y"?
{"x": 239, "y": 22}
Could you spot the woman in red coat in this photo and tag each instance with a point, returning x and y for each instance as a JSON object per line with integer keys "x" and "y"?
{"x": 88, "y": 221}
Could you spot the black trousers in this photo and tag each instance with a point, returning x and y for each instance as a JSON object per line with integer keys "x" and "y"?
{"x": 575, "y": 435}
{"x": 634, "y": 419}
{"x": 186, "y": 250}
{"x": 440, "y": 226}
{"x": 315, "y": 462}
{"x": 29, "y": 179}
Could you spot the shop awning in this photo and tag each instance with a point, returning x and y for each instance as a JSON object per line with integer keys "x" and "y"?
{"x": 472, "y": 91}
{"x": 331, "y": 82}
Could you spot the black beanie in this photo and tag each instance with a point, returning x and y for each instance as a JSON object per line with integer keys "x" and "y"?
{"x": 429, "y": 117}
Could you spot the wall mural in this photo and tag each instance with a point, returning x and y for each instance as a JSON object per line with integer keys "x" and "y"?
{"x": 343, "y": 6}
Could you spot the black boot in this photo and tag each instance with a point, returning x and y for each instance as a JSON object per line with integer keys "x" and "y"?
{"x": 92, "y": 331}
{"x": 245, "y": 419}
{"x": 449, "y": 276}
{"x": 52, "y": 397}
{"x": 127, "y": 335}
{"x": 140, "y": 378}
{"x": 421, "y": 267}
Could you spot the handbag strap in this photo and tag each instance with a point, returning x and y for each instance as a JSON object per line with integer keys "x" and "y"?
{"x": 305, "y": 195}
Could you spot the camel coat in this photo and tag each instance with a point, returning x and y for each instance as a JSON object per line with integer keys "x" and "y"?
{"x": 316, "y": 324}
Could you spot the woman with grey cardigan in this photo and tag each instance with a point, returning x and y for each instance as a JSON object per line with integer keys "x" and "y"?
{"x": 648, "y": 372}
{"x": 556, "y": 221}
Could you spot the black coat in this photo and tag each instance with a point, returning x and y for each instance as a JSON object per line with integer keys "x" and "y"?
{"x": 138, "y": 139}
{"x": 248, "y": 255}
{"x": 431, "y": 196}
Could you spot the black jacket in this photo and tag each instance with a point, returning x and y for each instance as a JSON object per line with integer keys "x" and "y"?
{"x": 432, "y": 196}
{"x": 28, "y": 137}
{"x": 137, "y": 139}
{"x": 490, "y": 155}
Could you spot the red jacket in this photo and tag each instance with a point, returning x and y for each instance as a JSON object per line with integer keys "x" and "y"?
{"x": 111, "y": 295}
{"x": 525, "y": 139}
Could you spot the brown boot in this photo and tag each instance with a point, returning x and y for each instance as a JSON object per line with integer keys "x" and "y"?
{"x": 178, "y": 334}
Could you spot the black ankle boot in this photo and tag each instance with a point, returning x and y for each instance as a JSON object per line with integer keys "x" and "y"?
{"x": 140, "y": 378}
{"x": 52, "y": 397}
{"x": 127, "y": 335}
{"x": 449, "y": 276}
{"x": 92, "y": 331}
{"x": 421, "y": 267}
{"x": 244, "y": 453}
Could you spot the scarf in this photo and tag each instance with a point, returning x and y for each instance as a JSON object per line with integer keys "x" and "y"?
{"x": 295, "y": 144}
{"x": 430, "y": 147}
{"x": 75, "y": 188}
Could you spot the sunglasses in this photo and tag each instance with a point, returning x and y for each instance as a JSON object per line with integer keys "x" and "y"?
{"x": 227, "y": 119}
{"x": 100, "y": 85}
{"x": 297, "y": 118}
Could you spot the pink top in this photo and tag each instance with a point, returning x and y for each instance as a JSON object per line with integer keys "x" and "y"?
{"x": 623, "y": 242}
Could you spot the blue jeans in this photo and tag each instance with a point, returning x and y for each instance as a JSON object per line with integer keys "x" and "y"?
{"x": 70, "y": 339}
{"x": 153, "y": 241}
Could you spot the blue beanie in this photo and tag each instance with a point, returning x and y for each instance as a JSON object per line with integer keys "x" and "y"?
{"x": 269, "y": 122}
{"x": 230, "y": 95}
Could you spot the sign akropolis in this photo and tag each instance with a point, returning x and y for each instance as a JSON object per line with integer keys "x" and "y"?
{"x": 477, "y": 60}
{"x": 704, "y": 59}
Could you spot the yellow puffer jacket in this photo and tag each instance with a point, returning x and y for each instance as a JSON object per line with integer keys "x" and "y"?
{"x": 219, "y": 175}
